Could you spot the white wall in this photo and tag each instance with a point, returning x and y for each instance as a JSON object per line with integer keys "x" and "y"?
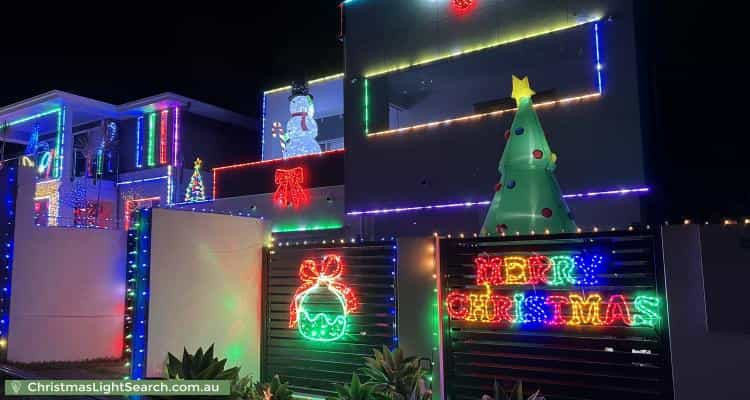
{"x": 68, "y": 289}
{"x": 205, "y": 288}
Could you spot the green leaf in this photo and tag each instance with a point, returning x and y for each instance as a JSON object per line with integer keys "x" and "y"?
{"x": 186, "y": 361}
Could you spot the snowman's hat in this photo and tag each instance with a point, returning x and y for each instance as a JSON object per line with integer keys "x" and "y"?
{"x": 300, "y": 88}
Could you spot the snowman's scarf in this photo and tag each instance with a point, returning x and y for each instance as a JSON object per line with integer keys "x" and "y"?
{"x": 311, "y": 273}
{"x": 302, "y": 114}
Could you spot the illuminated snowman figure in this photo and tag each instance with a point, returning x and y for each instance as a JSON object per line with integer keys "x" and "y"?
{"x": 301, "y": 129}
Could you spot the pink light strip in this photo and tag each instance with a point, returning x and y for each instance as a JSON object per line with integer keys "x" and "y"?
{"x": 176, "y": 138}
{"x": 620, "y": 192}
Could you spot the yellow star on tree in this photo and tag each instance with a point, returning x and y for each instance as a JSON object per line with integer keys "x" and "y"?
{"x": 521, "y": 89}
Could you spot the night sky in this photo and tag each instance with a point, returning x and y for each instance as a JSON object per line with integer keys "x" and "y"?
{"x": 220, "y": 54}
{"x": 226, "y": 55}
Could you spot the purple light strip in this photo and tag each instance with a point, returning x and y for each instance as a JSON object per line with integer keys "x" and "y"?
{"x": 620, "y": 192}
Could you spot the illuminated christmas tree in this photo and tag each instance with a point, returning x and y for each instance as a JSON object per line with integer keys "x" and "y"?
{"x": 195, "y": 191}
{"x": 528, "y": 197}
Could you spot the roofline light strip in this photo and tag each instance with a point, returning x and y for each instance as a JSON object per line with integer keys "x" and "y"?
{"x": 35, "y": 116}
{"x": 142, "y": 180}
{"x": 475, "y": 49}
{"x": 483, "y": 115}
{"x": 263, "y": 162}
{"x": 620, "y": 192}
{"x": 312, "y": 82}
{"x": 277, "y": 160}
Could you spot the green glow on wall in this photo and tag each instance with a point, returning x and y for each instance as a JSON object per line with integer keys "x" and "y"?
{"x": 317, "y": 226}
{"x": 151, "y": 139}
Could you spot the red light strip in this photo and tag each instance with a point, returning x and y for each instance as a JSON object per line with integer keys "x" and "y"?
{"x": 266, "y": 162}
{"x": 473, "y": 117}
{"x": 163, "y": 137}
{"x": 128, "y": 205}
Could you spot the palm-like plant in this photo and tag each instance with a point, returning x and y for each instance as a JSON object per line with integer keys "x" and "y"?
{"x": 274, "y": 390}
{"x": 515, "y": 394}
{"x": 396, "y": 376}
{"x": 203, "y": 366}
{"x": 358, "y": 391}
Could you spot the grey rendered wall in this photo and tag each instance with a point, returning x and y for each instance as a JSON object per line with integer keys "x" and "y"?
{"x": 417, "y": 299}
{"x": 205, "y": 288}
{"x": 68, "y": 289}
{"x": 706, "y": 364}
{"x": 599, "y": 142}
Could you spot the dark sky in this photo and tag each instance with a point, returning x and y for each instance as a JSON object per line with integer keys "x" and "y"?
{"x": 218, "y": 53}
{"x": 692, "y": 52}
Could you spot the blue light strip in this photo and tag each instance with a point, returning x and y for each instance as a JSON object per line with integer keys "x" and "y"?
{"x": 139, "y": 290}
{"x": 7, "y": 245}
{"x": 130, "y": 281}
{"x": 616, "y": 192}
{"x": 143, "y": 180}
{"x": 598, "y": 66}
{"x": 263, "y": 128}
{"x": 139, "y": 143}
{"x": 394, "y": 310}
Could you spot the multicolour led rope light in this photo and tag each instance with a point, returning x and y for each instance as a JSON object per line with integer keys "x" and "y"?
{"x": 136, "y": 300}
{"x": 578, "y": 306}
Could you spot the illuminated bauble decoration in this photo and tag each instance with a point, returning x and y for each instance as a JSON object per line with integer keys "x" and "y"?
{"x": 322, "y": 303}
{"x": 301, "y": 129}
{"x": 463, "y": 4}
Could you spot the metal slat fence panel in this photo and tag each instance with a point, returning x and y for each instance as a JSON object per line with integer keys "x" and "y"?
{"x": 604, "y": 358}
{"x": 313, "y": 367}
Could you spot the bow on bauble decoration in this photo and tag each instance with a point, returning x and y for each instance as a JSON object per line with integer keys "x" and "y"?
{"x": 324, "y": 274}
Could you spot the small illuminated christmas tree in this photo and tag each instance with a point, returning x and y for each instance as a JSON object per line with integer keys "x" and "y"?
{"x": 528, "y": 197}
{"x": 195, "y": 191}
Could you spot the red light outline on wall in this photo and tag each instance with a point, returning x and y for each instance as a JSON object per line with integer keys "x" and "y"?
{"x": 289, "y": 190}
{"x": 265, "y": 162}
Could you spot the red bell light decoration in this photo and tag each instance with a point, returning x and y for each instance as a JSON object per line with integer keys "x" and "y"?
{"x": 463, "y": 4}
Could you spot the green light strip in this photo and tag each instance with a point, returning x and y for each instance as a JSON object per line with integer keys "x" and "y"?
{"x": 284, "y": 228}
{"x": 35, "y": 116}
{"x": 57, "y": 171}
{"x": 151, "y": 139}
{"x": 367, "y": 106}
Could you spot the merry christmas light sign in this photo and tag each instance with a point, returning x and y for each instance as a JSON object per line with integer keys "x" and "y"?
{"x": 560, "y": 293}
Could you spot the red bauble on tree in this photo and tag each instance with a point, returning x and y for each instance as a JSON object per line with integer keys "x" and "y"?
{"x": 463, "y": 4}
